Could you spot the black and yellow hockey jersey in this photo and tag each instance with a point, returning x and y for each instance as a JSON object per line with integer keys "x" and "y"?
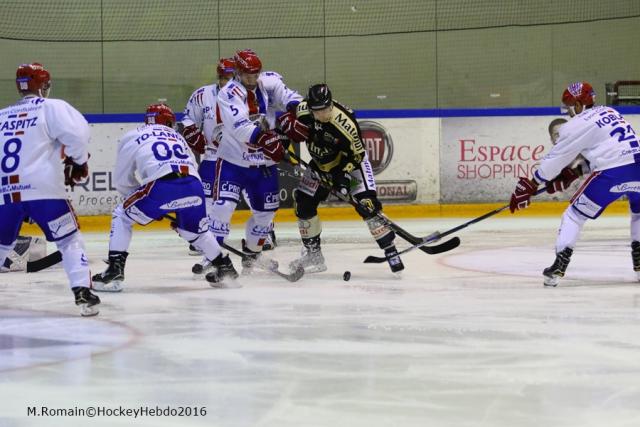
{"x": 335, "y": 145}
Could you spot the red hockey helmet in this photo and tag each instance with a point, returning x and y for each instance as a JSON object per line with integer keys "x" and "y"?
{"x": 579, "y": 91}
{"x": 159, "y": 114}
{"x": 247, "y": 61}
{"x": 33, "y": 78}
{"x": 226, "y": 66}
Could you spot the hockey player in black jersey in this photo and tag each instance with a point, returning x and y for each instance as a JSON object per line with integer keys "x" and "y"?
{"x": 339, "y": 161}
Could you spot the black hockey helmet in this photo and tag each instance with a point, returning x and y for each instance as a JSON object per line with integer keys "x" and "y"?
{"x": 319, "y": 97}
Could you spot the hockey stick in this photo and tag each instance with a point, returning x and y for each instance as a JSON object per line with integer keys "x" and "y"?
{"x": 45, "y": 262}
{"x": 437, "y": 235}
{"x": 417, "y": 241}
{"x": 268, "y": 264}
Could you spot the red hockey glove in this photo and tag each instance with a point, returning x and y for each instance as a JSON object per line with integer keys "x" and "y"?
{"x": 73, "y": 172}
{"x": 295, "y": 130}
{"x": 271, "y": 146}
{"x": 194, "y": 138}
{"x": 563, "y": 181}
{"x": 521, "y": 196}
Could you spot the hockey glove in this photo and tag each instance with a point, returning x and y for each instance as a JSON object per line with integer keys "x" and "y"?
{"x": 563, "y": 181}
{"x": 521, "y": 196}
{"x": 73, "y": 172}
{"x": 293, "y": 128}
{"x": 341, "y": 182}
{"x": 271, "y": 146}
{"x": 194, "y": 138}
{"x": 368, "y": 207}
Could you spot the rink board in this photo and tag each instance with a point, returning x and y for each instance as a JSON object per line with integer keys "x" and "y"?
{"x": 427, "y": 159}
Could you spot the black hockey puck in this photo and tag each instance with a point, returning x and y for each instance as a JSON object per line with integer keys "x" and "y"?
{"x": 346, "y": 276}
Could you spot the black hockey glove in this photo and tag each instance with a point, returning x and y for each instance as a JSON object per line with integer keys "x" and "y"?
{"x": 341, "y": 182}
{"x": 368, "y": 207}
{"x": 73, "y": 172}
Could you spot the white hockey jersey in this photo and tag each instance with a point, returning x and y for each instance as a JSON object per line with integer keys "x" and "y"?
{"x": 202, "y": 110}
{"x": 33, "y": 133}
{"x": 600, "y": 134}
{"x": 242, "y": 113}
{"x": 151, "y": 152}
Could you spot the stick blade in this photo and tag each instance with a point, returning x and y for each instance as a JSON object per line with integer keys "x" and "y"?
{"x": 46, "y": 262}
{"x": 450, "y": 244}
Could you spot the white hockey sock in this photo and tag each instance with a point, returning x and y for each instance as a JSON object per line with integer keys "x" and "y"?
{"x": 208, "y": 203}
{"x": 257, "y": 229}
{"x": 380, "y": 232}
{"x": 570, "y": 228}
{"x": 309, "y": 228}
{"x": 221, "y": 213}
{"x": 635, "y": 226}
{"x": 74, "y": 260}
{"x": 121, "y": 230}
{"x": 206, "y": 242}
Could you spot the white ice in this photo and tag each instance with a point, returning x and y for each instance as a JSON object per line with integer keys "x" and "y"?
{"x": 467, "y": 338}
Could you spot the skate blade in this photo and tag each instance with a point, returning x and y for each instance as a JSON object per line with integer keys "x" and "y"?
{"x": 314, "y": 269}
{"x": 114, "y": 286}
{"x": 88, "y": 310}
{"x": 226, "y": 283}
{"x": 309, "y": 269}
{"x": 551, "y": 282}
{"x": 198, "y": 273}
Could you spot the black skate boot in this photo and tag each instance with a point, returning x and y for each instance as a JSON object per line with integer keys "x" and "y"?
{"x": 193, "y": 251}
{"x": 311, "y": 258}
{"x": 249, "y": 260}
{"x": 270, "y": 244}
{"x": 395, "y": 263}
{"x": 223, "y": 269}
{"x": 635, "y": 256}
{"x": 202, "y": 267}
{"x": 553, "y": 274}
{"x": 87, "y": 301}
{"x": 111, "y": 279}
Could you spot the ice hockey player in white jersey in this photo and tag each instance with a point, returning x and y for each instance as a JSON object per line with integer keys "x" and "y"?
{"x": 250, "y": 149}
{"x": 169, "y": 183}
{"x": 34, "y": 132}
{"x": 202, "y": 130}
{"x": 610, "y": 145}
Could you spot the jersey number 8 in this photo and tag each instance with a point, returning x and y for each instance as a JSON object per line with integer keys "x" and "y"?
{"x": 10, "y": 158}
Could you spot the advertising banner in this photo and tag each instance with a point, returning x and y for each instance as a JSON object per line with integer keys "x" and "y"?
{"x": 482, "y": 158}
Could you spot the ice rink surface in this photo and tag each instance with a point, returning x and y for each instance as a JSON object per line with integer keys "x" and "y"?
{"x": 466, "y": 338}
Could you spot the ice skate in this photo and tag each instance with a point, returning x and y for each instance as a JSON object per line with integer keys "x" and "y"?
{"x": 270, "y": 244}
{"x": 249, "y": 260}
{"x": 635, "y": 256}
{"x": 311, "y": 258}
{"x": 395, "y": 263}
{"x": 223, "y": 270}
{"x": 202, "y": 267}
{"x": 87, "y": 301}
{"x": 193, "y": 251}
{"x": 553, "y": 273}
{"x": 111, "y": 280}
